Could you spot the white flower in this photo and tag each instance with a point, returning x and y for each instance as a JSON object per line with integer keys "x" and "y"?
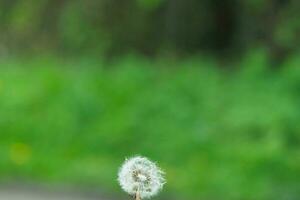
{"x": 140, "y": 176}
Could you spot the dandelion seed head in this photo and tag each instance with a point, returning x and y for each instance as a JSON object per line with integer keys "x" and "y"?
{"x": 140, "y": 175}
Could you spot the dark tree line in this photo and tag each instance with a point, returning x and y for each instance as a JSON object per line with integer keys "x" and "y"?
{"x": 182, "y": 27}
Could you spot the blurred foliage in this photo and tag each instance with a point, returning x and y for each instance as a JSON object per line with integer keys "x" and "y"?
{"x": 180, "y": 27}
{"x": 219, "y": 134}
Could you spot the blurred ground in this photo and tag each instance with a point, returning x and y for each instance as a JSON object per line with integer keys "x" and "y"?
{"x": 17, "y": 193}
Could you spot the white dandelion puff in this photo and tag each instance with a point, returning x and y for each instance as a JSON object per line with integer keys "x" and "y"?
{"x": 140, "y": 177}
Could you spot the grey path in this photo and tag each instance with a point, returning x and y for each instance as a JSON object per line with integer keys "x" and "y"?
{"x": 37, "y": 194}
{"x": 28, "y": 196}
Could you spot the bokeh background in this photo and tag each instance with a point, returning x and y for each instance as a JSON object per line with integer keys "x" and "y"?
{"x": 210, "y": 89}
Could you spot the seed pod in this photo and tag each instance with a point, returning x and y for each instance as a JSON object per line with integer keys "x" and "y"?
{"x": 140, "y": 177}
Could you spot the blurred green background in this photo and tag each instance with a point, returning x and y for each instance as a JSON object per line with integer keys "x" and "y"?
{"x": 209, "y": 89}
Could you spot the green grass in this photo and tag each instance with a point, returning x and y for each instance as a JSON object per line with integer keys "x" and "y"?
{"x": 219, "y": 134}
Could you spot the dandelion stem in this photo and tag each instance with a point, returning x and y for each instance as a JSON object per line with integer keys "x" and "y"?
{"x": 137, "y": 196}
